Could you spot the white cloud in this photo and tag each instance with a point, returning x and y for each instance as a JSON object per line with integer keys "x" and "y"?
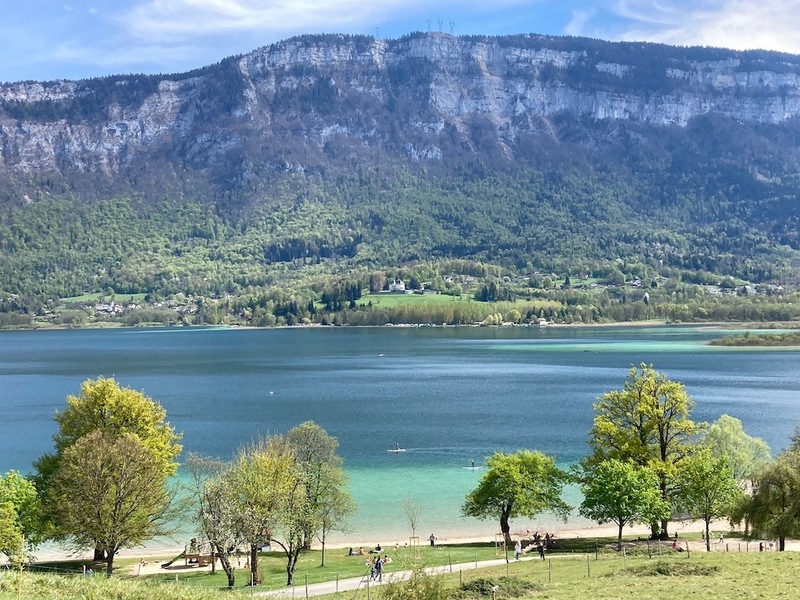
{"x": 164, "y": 18}
{"x": 738, "y": 24}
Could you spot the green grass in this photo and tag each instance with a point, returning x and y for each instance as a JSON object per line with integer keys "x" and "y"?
{"x": 586, "y": 568}
{"x": 392, "y": 300}
{"x": 84, "y": 298}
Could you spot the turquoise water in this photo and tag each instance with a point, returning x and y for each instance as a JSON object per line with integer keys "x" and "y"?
{"x": 447, "y": 396}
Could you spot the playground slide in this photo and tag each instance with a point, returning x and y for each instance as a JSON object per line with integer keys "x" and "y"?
{"x": 168, "y": 564}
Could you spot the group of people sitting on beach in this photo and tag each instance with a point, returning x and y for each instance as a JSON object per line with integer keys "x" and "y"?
{"x": 548, "y": 540}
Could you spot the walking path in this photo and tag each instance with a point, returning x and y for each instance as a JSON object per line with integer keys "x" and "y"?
{"x": 354, "y": 583}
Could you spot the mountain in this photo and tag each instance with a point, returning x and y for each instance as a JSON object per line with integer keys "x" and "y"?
{"x": 345, "y": 152}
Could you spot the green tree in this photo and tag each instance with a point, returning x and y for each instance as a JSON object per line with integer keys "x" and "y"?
{"x": 746, "y": 454}
{"x": 103, "y": 406}
{"x": 260, "y": 479}
{"x": 647, "y": 423}
{"x": 20, "y": 494}
{"x": 12, "y": 541}
{"x": 523, "y": 484}
{"x": 110, "y": 493}
{"x": 707, "y": 488}
{"x": 325, "y": 481}
{"x": 621, "y": 492}
{"x": 774, "y": 507}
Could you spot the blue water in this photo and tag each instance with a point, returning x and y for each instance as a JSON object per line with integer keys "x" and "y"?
{"x": 446, "y": 395}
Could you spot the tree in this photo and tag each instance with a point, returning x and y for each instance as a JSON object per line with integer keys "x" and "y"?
{"x": 315, "y": 451}
{"x": 216, "y": 514}
{"x": 647, "y": 423}
{"x": 12, "y": 542}
{"x": 110, "y": 493}
{"x": 746, "y": 454}
{"x": 622, "y": 493}
{"x": 103, "y": 406}
{"x": 707, "y": 488}
{"x": 412, "y": 510}
{"x": 260, "y": 478}
{"x": 521, "y": 484}
{"x": 774, "y": 508}
{"x": 22, "y": 511}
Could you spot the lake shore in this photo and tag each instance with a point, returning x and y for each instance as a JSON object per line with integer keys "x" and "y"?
{"x": 164, "y": 550}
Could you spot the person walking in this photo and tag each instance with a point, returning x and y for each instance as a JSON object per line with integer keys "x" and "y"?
{"x": 517, "y": 549}
{"x": 379, "y": 569}
{"x": 540, "y": 548}
{"x": 432, "y": 540}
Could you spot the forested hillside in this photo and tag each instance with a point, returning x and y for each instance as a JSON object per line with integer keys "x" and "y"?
{"x": 283, "y": 185}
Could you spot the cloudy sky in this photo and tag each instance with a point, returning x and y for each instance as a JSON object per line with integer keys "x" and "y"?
{"x": 48, "y": 39}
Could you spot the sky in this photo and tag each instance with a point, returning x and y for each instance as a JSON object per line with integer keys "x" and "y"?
{"x": 74, "y": 39}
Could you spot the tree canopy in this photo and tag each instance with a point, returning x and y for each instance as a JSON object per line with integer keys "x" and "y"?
{"x": 647, "y": 423}
{"x": 622, "y": 493}
{"x": 522, "y": 484}
{"x": 110, "y": 493}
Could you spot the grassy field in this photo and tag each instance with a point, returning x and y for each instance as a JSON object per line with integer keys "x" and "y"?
{"x": 392, "y": 300}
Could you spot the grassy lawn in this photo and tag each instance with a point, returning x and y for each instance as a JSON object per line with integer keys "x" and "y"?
{"x": 392, "y": 300}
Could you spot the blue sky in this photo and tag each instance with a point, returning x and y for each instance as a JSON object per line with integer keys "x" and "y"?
{"x": 47, "y": 39}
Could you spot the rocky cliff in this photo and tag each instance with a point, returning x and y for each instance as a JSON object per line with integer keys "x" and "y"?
{"x": 322, "y": 102}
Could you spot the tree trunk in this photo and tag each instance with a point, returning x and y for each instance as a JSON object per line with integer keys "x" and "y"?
{"x": 293, "y": 554}
{"x": 708, "y": 531}
{"x": 323, "y": 552}
{"x": 99, "y": 554}
{"x": 505, "y": 528}
{"x": 254, "y": 564}
{"x": 224, "y": 560}
{"x": 619, "y": 536}
{"x": 109, "y": 563}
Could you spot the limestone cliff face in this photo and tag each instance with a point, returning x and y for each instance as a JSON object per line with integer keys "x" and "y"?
{"x": 339, "y": 99}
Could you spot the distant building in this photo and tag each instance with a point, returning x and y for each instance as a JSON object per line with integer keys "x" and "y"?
{"x": 397, "y": 286}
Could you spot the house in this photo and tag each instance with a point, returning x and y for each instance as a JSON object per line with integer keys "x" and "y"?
{"x": 397, "y": 286}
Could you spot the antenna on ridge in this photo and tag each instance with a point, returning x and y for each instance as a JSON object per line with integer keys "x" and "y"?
{"x": 429, "y": 25}
{"x": 452, "y": 25}
{"x": 377, "y": 33}
{"x": 440, "y": 25}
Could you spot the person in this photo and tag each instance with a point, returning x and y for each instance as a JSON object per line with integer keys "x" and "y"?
{"x": 540, "y": 548}
{"x": 396, "y": 446}
{"x": 721, "y": 539}
{"x": 386, "y": 559}
{"x": 517, "y": 550}
{"x": 432, "y": 540}
{"x": 676, "y": 536}
{"x": 371, "y": 564}
{"x": 760, "y": 546}
{"x": 378, "y": 569}
{"x": 351, "y": 552}
{"x": 472, "y": 463}
{"x": 378, "y": 549}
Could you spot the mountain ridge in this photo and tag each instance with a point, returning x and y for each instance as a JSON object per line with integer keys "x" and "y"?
{"x": 329, "y": 155}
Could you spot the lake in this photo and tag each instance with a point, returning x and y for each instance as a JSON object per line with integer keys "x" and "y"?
{"x": 446, "y": 395}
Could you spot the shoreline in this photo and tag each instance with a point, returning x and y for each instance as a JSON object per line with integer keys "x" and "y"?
{"x": 559, "y": 531}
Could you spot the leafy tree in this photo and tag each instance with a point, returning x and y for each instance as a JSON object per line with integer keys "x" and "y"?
{"x": 103, "y": 406}
{"x": 12, "y": 541}
{"x": 746, "y": 454}
{"x": 707, "y": 488}
{"x": 215, "y": 513}
{"x": 324, "y": 483}
{"x": 110, "y": 492}
{"x": 647, "y": 423}
{"x": 622, "y": 493}
{"x": 261, "y": 478}
{"x": 523, "y": 484}
{"x": 20, "y": 494}
{"x": 774, "y": 507}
